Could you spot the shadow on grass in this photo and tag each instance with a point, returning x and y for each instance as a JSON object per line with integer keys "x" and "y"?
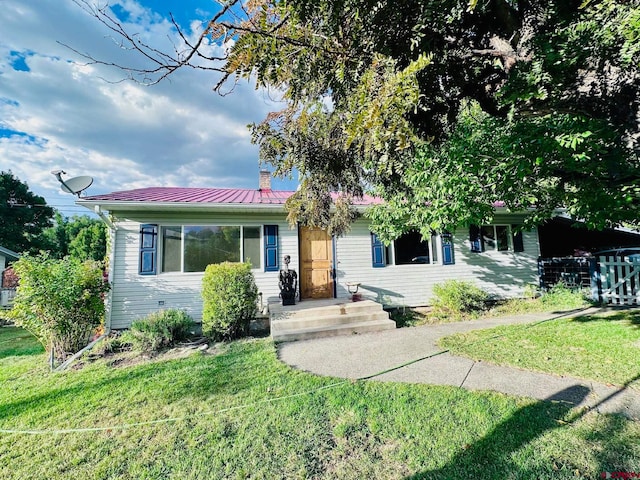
{"x": 491, "y": 456}
{"x": 628, "y": 314}
{"x": 405, "y": 317}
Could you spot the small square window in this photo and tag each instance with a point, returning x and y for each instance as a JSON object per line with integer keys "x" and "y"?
{"x": 497, "y": 237}
{"x": 411, "y": 249}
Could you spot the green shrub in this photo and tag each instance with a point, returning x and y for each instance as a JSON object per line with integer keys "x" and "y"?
{"x": 59, "y": 301}
{"x": 113, "y": 343}
{"x": 159, "y": 330}
{"x": 562, "y": 297}
{"x": 458, "y": 297}
{"x": 230, "y": 298}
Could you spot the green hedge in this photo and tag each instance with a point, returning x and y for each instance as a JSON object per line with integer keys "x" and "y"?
{"x": 230, "y": 298}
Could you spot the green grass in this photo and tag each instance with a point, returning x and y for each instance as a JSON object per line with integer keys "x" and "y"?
{"x": 559, "y": 298}
{"x": 349, "y": 430}
{"x": 15, "y": 341}
{"x": 604, "y": 348}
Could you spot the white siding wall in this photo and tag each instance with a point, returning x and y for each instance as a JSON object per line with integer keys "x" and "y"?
{"x": 503, "y": 274}
{"x": 135, "y": 295}
{"x": 3, "y": 263}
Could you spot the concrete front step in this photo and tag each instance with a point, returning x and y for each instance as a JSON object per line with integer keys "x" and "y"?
{"x": 312, "y": 319}
{"x": 328, "y": 320}
{"x": 332, "y": 330}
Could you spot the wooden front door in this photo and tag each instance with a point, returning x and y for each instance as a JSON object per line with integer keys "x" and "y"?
{"x": 316, "y": 263}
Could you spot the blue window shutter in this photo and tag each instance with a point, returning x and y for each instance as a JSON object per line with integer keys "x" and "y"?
{"x": 447, "y": 249}
{"x": 518, "y": 243}
{"x": 271, "y": 255}
{"x": 475, "y": 239}
{"x": 377, "y": 252}
{"x": 148, "y": 258}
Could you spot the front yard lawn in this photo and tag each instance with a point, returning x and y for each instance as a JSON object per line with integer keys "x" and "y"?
{"x": 604, "y": 348}
{"x": 15, "y": 341}
{"x": 238, "y": 412}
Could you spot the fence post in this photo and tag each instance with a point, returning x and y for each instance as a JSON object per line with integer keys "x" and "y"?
{"x": 594, "y": 274}
{"x": 541, "y": 274}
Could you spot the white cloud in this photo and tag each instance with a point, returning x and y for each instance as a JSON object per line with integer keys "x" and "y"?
{"x": 125, "y": 135}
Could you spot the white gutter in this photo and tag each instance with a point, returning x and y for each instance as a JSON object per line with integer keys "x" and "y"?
{"x": 98, "y": 211}
{"x": 132, "y": 205}
{"x": 123, "y": 206}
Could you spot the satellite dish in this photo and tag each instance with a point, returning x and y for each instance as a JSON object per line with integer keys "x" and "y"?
{"x": 76, "y": 185}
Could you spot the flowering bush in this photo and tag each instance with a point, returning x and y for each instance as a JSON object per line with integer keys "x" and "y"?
{"x": 59, "y": 301}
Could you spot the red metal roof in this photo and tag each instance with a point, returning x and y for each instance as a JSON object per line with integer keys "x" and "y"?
{"x": 207, "y": 195}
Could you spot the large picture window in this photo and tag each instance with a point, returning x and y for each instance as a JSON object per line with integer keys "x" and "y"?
{"x": 210, "y": 244}
{"x": 191, "y": 248}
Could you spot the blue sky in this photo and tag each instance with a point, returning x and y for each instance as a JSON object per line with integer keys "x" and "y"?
{"x": 56, "y": 112}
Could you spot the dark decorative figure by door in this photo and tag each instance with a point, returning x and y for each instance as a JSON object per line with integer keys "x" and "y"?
{"x": 288, "y": 283}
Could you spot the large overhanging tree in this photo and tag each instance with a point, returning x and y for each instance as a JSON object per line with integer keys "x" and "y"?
{"x": 441, "y": 107}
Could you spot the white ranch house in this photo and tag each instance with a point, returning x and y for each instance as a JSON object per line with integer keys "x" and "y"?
{"x": 6, "y": 294}
{"x": 6, "y": 256}
{"x": 162, "y": 239}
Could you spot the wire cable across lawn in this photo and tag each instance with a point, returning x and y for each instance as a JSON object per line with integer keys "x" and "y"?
{"x": 253, "y": 404}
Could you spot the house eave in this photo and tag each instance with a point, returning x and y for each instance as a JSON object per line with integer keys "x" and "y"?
{"x": 126, "y": 206}
{"x": 9, "y": 253}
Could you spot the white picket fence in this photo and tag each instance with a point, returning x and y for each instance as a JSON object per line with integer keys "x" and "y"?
{"x": 620, "y": 280}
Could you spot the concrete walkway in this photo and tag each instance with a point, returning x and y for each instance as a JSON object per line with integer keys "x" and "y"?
{"x": 411, "y": 355}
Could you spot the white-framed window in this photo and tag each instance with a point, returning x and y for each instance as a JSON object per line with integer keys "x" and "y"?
{"x": 499, "y": 238}
{"x": 190, "y": 248}
{"x": 411, "y": 249}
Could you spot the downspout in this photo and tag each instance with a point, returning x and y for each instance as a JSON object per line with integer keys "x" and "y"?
{"x": 98, "y": 211}
{"x": 111, "y": 254}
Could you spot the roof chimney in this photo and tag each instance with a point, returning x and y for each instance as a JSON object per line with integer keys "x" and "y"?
{"x": 265, "y": 180}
